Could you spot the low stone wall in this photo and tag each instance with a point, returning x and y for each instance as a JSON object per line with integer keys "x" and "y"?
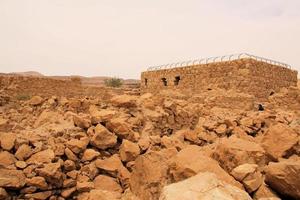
{"x": 23, "y": 86}
{"x": 244, "y": 75}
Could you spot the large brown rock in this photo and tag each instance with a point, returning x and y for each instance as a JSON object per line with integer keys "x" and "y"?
{"x": 84, "y": 186}
{"x": 70, "y": 155}
{"x": 39, "y": 195}
{"x": 232, "y": 152}
{"x": 7, "y": 141}
{"x": 121, "y": 128}
{"x": 279, "y": 140}
{"x": 35, "y": 101}
{"x": 12, "y": 178}
{"x": 89, "y": 154}
{"x": 78, "y": 146}
{"x": 45, "y": 156}
{"x": 129, "y": 151}
{"x": 115, "y": 168}
{"x": 249, "y": 175}
{"x": 102, "y": 138}
{"x": 23, "y": 152}
{"x": 111, "y": 164}
{"x": 284, "y": 177}
{"x": 191, "y": 161}
{"x": 107, "y": 183}
{"x": 103, "y": 115}
{"x": 6, "y": 159}
{"x": 99, "y": 195}
{"x": 82, "y": 122}
{"x": 38, "y": 181}
{"x": 265, "y": 192}
{"x": 150, "y": 173}
{"x": 204, "y": 186}
{"x": 126, "y": 101}
{"x": 52, "y": 173}
{"x": 90, "y": 170}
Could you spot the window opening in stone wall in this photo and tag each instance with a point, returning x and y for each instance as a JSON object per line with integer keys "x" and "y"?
{"x": 146, "y": 81}
{"x": 164, "y": 80}
{"x": 177, "y": 79}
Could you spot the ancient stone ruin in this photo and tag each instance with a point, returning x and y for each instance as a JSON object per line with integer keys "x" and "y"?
{"x": 242, "y": 72}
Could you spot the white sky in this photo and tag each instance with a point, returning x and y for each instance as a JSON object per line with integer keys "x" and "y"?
{"x": 123, "y": 37}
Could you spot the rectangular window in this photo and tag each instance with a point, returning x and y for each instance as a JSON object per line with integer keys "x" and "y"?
{"x": 165, "y": 82}
{"x": 176, "y": 81}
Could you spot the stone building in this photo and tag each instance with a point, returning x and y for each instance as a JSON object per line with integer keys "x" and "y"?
{"x": 242, "y": 72}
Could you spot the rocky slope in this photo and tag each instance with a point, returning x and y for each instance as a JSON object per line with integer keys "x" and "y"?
{"x": 218, "y": 145}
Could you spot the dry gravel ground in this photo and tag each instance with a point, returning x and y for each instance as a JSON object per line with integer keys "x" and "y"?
{"x": 216, "y": 145}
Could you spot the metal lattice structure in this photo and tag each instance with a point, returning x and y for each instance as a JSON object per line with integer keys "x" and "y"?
{"x": 218, "y": 59}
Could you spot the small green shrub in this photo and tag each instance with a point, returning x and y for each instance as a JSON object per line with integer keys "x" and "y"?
{"x": 23, "y": 97}
{"x": 113, "y": 82}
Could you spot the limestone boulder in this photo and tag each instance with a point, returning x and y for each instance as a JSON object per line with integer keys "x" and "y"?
{"x": 45, "y": 156}
{"x": 82, "y": 122}
{"x": 7, "y": 141}
{"x": 265, "y": 192}
{"x": 89, "y": 154}
{"x": 102, "y": 138}
{"x": 192, "y": 160}
{"x": 35, "y": 101}
{"x": 284, "y": 177}
{"x": 144, "y": 143}
{"x": 114, "y": 166}
{"x": 203, "y": 186}
{"x": 232, "y": 152}
{"x": 39, "y": 195}
{"x": 6, "y": 159}
{"x": 12, "y": 178}
{"x": 84, "y": 186}
{"x": 70, "y": 155}
{"x": 76, "y": 145}
{"x": 172, "y": 141}
{"x": 126, "y": 101}
{"x": 121, "y": 128}
{"x": 107, "y": 183}
{"x": 38, "y": 181}
{"x": 65, "y": 193}
{"x": 129, "y": 151}
{"x": 99, "y": 195}
{"x": 279, "y": 140}
{"x": 150, "y": 173}
{"x": 52, "y": 173}
{"x": 102, "y": 115}
{"x": 23, "y": 152}
{"x": 90, "y": 170}
{"x": 69, "y": 165}
{"x": 249, "y": 175}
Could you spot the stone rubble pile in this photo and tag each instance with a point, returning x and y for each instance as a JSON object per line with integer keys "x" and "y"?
{"x": 146, "y": 148}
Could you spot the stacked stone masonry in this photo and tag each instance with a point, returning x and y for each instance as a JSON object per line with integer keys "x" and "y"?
{"x": 243, "y": 75}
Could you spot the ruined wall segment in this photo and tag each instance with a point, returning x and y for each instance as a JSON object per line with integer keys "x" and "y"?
{"x": 245, "y": 75}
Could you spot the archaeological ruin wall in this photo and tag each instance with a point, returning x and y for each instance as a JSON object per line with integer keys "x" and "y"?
{"x": 246, "y": 75}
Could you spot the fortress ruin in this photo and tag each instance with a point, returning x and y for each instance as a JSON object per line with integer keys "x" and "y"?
{"x": 242, "y": 72}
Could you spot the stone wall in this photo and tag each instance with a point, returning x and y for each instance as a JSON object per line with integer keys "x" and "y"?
{"x": 244, "y": 75}
{"x": 45, "y": 87}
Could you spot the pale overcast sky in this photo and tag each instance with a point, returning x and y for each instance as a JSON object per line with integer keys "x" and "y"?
{"x": 124, "y": 37}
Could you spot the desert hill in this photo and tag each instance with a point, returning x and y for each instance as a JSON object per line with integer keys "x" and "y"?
{"x": 89, "y": 81}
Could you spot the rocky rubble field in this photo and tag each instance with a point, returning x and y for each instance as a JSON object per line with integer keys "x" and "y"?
{"x": 147, "y": 147}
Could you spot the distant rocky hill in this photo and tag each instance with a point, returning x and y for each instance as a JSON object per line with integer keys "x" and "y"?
{"x": 29, "y": 73}
{"x": 90, "y": 81}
